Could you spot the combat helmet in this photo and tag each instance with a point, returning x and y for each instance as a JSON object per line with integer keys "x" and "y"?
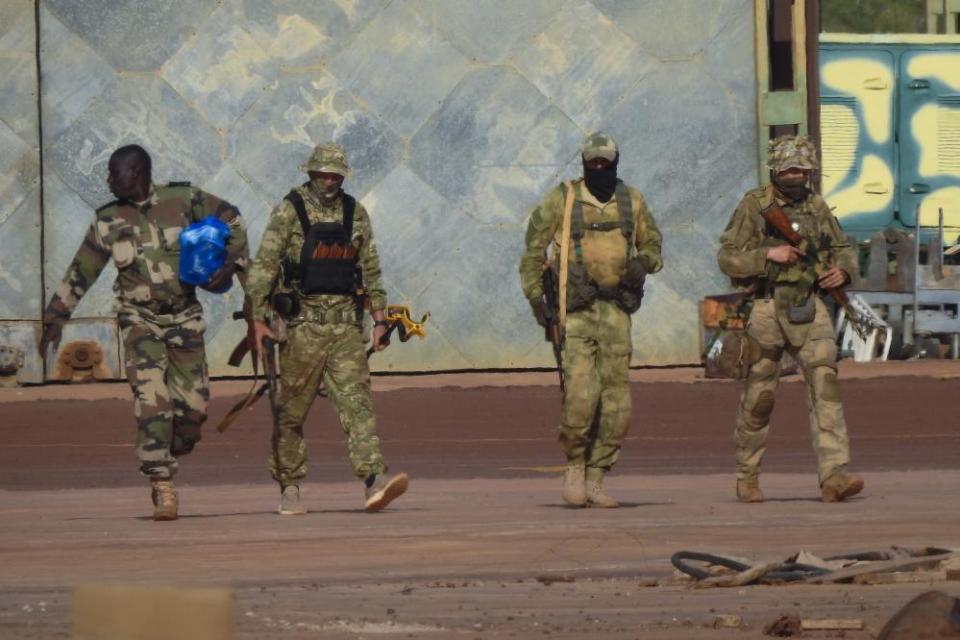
{"x": 787, "y": 152}
{"x": 328, "y": 157}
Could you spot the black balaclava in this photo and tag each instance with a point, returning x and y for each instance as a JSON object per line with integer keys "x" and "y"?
{"x": 794, "y": 189}
{"x": 601, "y": 182}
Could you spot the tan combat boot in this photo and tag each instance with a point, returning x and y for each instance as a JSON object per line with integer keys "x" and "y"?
{"x": 164, "y": 495}
{"x": 384, "y": 490}
{"x": 574, "y": 485}
{"x": 840, "y": 486}
{"x": 597, "y": 498}
{"x": 290, "y": 501}
{"x": 749, "y": 490}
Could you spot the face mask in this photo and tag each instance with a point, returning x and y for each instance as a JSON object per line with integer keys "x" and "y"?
{"x": 326, "y": 190}
{"x": 601, "y": 182}
{"x": 793, "y": 189}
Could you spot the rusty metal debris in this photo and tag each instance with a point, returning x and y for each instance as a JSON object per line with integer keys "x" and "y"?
{"x": 710, "y": 570}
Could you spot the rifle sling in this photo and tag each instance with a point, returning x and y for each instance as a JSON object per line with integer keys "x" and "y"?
{"x": 565, "y": 254}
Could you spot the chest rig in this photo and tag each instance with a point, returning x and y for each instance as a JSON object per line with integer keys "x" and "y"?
{"x": 328, "y": 258}
{"x": 625, "y": 224}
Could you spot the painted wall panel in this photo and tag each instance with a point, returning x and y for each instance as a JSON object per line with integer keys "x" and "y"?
{"x": 930, "y": 122}
{"x": 457, "y": 116}
{"x": 890, "y": 118}
{"x": 21, "y": 285}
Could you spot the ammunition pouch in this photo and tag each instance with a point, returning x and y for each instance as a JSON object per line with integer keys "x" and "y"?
{"x": 630, "y": 291}
{"x": 797, "y": 312}
{"x": 581, "y": 288}
{"x": 328, "y": 261}
{"x": 286, "y": 304}
{"x": 328, "y": 258}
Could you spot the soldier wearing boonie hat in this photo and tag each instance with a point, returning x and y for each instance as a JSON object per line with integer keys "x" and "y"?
{"x": 324, "y": 329}
{"x": 327, "y": 158}
{"x": 787, "y": 315}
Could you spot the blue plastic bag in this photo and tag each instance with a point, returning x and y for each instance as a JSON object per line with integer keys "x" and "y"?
{"x": 203, "y": 251}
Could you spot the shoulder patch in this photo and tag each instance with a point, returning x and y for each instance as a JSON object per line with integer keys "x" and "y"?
{"x": 185, "y": 183}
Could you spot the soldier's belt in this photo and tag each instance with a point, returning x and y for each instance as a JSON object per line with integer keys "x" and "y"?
{"x": 165, "y": 308}
{"x": 332, "y": 316}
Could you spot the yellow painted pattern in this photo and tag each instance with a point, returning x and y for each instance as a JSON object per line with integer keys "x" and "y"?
{"x": 944, "y": 67}
{"x": 871, "y": 83}
{"x": 948, "y": 199}
{"x": 872, "y": 192}
{"x": 925, "y": 130}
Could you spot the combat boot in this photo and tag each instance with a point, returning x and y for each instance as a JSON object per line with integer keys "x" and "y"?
{"x": 749, "y": 490}
{"x": 596, "y": 497}
{"x": 384, "y": 490}
{"x": 840, "y": 486}
{"x": 290, "y": 501}
{"x": 574, "y": 485}
{"x": 165, "y": 503}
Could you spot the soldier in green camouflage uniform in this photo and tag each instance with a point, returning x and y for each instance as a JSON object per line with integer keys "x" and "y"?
{"x": 159, "y": 316}
{"x": 787, "y": 315}
{"x": 324, "y": 341}
{"x": 620, "y": 242}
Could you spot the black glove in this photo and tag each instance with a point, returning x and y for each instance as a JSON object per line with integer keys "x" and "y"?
{"x": 52, "y": 333}
{"x": 544, "y": 315}
{"x": 635, "y": 273}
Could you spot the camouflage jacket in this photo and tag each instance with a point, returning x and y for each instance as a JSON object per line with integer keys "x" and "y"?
{"x": 604, "y": 252}
{"x": 144, "y": 244}
{"x": 744, "y": 243}
{"x": 283, "y": 237}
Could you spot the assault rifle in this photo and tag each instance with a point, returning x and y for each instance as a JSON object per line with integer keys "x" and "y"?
{"x": 552, "y": 332}
{"x": 774, "y": 216}
{"x": 270, "y": 386}
{"x": 397, "y": 317}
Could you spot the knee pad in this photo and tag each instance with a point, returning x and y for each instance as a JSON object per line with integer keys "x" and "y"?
{"x": 763, "y": 407}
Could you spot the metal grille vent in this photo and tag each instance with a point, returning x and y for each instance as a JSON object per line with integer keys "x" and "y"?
{"x": 948, "y": 134}
{"x": 840, "y": 132}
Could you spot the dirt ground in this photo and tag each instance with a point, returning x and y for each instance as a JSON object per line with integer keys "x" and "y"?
{"x": 461, "y": 554}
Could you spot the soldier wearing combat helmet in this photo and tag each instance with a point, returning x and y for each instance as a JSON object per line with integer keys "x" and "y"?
{"x": 318, "y": 247}
{"x": 788, "y": 315}
{"x": 603, "y": 242}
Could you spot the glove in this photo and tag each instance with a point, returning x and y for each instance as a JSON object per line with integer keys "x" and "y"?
{"x": 544, "y": 315}
{"x": 52, "y": 333}
{"x": 635, "y": 273}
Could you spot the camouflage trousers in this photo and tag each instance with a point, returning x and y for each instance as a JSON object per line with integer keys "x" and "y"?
{"x": 167, "y": 371}
{"x": 335, "y": 355}
{"x": 816, "y": 354}
{"x": 596, "y": 363}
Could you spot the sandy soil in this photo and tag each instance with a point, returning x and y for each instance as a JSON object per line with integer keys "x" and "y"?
{"x": 461, "y": 554}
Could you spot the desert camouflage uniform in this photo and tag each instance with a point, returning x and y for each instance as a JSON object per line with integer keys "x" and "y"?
{"x": 160, "y": 319}
{"x": 742, "y": 256}
{"x": 597, "y": 345}
{"x": 325, "y": 343}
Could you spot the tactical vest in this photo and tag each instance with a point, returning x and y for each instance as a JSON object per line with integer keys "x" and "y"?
{"x": 625, "y": 223}
{"x": 582, "y": 289}
{"x": 328, "y": 258}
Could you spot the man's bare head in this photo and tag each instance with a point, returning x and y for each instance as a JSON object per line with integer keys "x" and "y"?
{"x": 129, "y": 173}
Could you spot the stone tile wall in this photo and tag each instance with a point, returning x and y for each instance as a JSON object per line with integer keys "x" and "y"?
{"x": 457, "y": 116}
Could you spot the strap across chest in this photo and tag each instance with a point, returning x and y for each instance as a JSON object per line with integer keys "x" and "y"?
{"x": 625, "y": 223}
